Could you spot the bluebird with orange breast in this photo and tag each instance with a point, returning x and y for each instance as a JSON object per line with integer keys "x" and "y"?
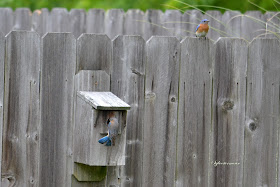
{"x": 202, "y": 28}
{"x": 113, "y": 127}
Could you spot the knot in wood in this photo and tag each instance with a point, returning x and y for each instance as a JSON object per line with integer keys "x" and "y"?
{"x": 252, "y": 126}
{"x": 227, "y": 105}
{"x": 173, "y": 99}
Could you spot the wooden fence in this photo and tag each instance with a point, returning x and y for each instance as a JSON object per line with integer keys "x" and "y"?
{"x": 202, "y": 113}
{"x": 135, "y": 22}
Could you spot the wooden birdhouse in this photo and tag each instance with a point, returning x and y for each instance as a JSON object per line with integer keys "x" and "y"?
{"x": 91, "y": 115}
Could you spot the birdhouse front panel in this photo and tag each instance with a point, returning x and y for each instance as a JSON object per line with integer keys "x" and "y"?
{"x": 100, "y": 134}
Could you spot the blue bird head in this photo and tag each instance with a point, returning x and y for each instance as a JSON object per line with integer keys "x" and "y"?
{"x": 204, "y": 21}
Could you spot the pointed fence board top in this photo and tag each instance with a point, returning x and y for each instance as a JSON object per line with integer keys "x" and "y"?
{"x": 103, "y": 100}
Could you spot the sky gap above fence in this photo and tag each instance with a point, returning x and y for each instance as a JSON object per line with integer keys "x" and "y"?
{"x": 136, "y": 22}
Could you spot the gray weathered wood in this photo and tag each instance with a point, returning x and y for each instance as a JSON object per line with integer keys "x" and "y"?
{"x": 40, "y": 21}
{"x": 59, "y": 20}
{"x": 2, "y": 66}
{"x": 160, "y": 116}
{"x": 216, "y": 25}
{"x": 103, "y": 100}
{"x": 22, "y": 19}
{"x": 114, "y": 19}
{"x": 78, "y": 21}
{"x": 190, "y": 20}
{"x": 172, "y": 23}
{"x": 194, "y": 118}
{"x": 272, "y": 20}
{"x": 57, "y": 86}
{"x": 251, "y": 25}
{"x": 127, "y": 82}
{"x": 86, "y": 80}
{"x": 229, "y": 101}
{"x": 232, "y": 23}
{"x": 95, "y": 21}
{"x": 153, "y": 24}
{"x": 134, "y": 22}
{"x": 90, "y": 126}
{"x": 262, "y": 114}
{"x": 94, "y": 53}
{"x": 6, "y": 20}
{"x": 21, "y": 110}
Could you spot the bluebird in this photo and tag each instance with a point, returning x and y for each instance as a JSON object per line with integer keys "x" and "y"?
{"x": 113, "y": 128}
{"x": 202, "y": 28}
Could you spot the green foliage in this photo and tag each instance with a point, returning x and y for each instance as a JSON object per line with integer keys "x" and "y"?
{"x": 241, "y": 5}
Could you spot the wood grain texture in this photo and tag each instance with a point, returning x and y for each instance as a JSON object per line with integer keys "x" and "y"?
{"x": 21, "y": 109}
{"x": 22, "y": 19}
{"x": 229, "y": 102}
{"x": 103, "y": 100}
{"x": 160, "y": 116}
{"x": 133, "y": 22}
{"x": 114, "y": 19}
{"x": 77, "y": 21}
{"x": 2, "y": 70}
{"x": 153, "y": 24}
{"x": 59, "y": 20}
{"x": 232, "y": 23}
{"x": 127, "y": 82}
{"x": 94, "y": 52}
{"x": 262, "y": 114}
{"x": 87, "y": 80}
{"x": 6, "y": 20}
{"x": 172, "y": 23}
{"x": 90, "y": 126}
{"x": 272, "y": 20}
{"x": 40, "y": 21}
{"x": 194, "y": 117}
{"x": 216, "y": 25}
{"x": 95, "y": 21}
{"x": 57, "y": 87}
{"x": 251, "y": 25}
{"x": 190, "y": 20}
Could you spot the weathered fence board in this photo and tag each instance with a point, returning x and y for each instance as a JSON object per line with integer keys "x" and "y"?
{"x": 6, "y": 20}
{"x": 59, "y": 20}
{"x": 134, "y": 22}
{"x": 160, "y": 117}
{"x": 88, "y": 80}
{"x": 22, "y": 19}
{"x": 40, "y": 20}
{"x": 94, "y": 52}
{"x": 252, "y": 25}
{"x": 78, "y": 22}
{"x": 153, "y": 24}
{"x": 21, "y": 110}
{"x": 232, "y": 23}
{"x": 262, "y": 113}
{"x": 272, "y": 24}
{"x": 2, "y": 66}
{"x": 216, "y": 26}
{"x": 172, "y": 23}
{"x": 194, "y": 125}
{"x": 57, "y": 87}
{"x": 127, "y": 82}
{"x": 95, "y": 21}
{"x": 190, "y": 20}
{"x": 229, "y": 99}
{"x": 114, "y": 22}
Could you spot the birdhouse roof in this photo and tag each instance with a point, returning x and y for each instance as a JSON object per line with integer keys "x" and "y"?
{"x": 103, "y": 100}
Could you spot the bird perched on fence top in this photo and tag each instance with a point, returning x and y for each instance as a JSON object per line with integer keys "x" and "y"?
{"x": 113, "y": 128}
{"x": 202, "y": 28}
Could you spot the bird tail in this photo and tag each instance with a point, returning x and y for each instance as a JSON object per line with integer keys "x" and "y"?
{"x": 105, "y": 139}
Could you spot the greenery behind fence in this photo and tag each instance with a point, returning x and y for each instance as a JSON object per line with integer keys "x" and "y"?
{"x": 241, "y": 5}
